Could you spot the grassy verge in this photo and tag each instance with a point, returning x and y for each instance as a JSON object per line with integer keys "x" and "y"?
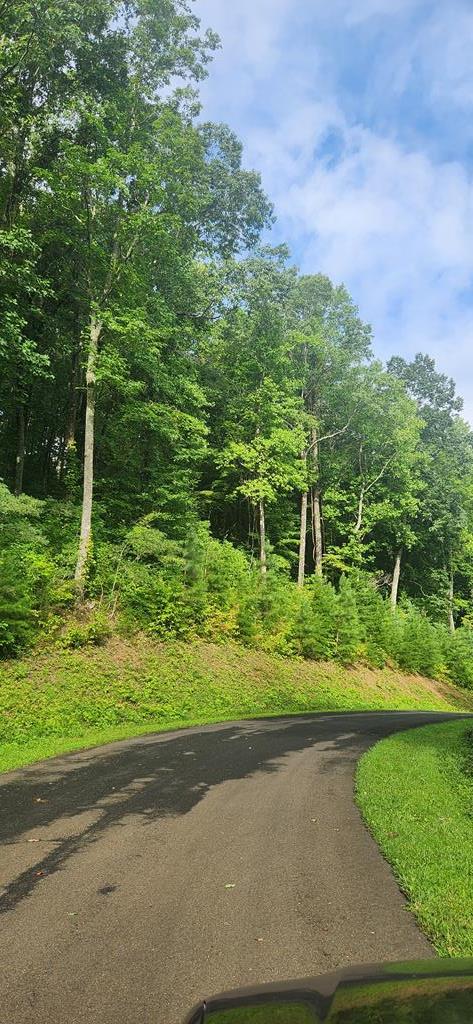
{"x": 415, "y": 790}
{"x": 62, "y": 701}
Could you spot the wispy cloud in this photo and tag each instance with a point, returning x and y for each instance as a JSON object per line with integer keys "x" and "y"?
{"x": 344, "y": 109}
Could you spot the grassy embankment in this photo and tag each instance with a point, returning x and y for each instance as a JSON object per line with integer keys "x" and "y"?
{"x": 62, "y": 701}
{"x": 415, "y": 790}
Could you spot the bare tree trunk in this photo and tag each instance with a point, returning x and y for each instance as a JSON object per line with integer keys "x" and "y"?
{"x": 451, "y": 593}
{"x": 20, "y": 450}
{"x": 86, "y": 523}
{"x": 316, "y": 508}
{"x": 262, "y": 538}
{"x": 317, "y": 532}
{"x": 359, "y": 519}
{"x": 396, "y": 579}
{"x": 303, "y": 539}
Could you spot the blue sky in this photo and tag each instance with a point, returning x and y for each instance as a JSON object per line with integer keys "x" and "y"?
{"x": 359, "y": 115}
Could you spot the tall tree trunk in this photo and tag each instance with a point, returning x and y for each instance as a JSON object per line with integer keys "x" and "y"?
{"x": 262, "y": 538}
{"x": 317, "y": 531}
{"x": 396, "y": 579}
{"x": 303, "y": 539}
{"x": 316, "y": 507}
{"x": 451, "y": 594}
{"x": 20, "y": 450}
{"x": 359, "y": 518}
{"x": 86, "y": 522}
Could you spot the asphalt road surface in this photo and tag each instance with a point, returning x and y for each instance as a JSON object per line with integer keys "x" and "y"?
{"x": 137, "y": 878}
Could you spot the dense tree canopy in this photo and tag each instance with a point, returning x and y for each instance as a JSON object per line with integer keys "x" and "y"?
{"x": 195, "y": 433}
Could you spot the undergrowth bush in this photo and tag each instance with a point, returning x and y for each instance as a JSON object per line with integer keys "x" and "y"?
{"x": 419, "y": 643}
{"x": 30, "y": 579}
{"x": 17, "y": 619}
{"x": 93, "y": 633}
{"x": 459, "y": 656}
{"x": 204, "y": 588}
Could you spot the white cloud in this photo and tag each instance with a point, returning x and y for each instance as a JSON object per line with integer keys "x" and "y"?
{"x": 377, "y": 212}
{"x": 252, "y": 28}
{"x": 356, "y": 11}
{"x": 437, "y": 43}
{"x": 445, "y": 51}
{"x": 393, "y": 225}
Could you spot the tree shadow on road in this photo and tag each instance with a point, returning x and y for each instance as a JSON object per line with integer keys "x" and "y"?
{"x": 162, "y": 776}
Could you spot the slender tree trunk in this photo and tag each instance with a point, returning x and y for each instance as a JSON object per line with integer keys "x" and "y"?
{"x": 86, "y": 523}
{"x": 359, "y": 518}
{"x": 20, "y": 450}
{"x": 396, "y": 579}
{"x": 317, "y": 531}
{"x": 303, "y": 539}
{"x": 451, "y": 594}
{"x": 262, "y": 538}
{"x": 316, "y": 508}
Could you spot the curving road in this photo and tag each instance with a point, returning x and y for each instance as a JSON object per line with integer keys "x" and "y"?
{"x": 136, "y": 878}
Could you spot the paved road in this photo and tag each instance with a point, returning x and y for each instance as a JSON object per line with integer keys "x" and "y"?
{"x": 136, "y": 878}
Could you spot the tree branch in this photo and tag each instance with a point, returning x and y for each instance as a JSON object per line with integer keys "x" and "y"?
{"x": 117, "y": 259}
{"x": 365, "y": 488}
{"x": 380, "y": 474}
{"x": 327, "y": 437}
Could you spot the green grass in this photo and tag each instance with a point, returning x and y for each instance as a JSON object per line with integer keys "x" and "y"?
{"x": 61, "y": 701}
{"x": 272, "y": 1013}
{"x": 415, "y": 790}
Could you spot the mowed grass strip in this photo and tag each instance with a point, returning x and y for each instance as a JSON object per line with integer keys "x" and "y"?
{"x": 59, "y": 701}
{"x": 415, "y": 791}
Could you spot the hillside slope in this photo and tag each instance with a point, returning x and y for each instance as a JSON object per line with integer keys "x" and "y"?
{"x": 58, "y": 701}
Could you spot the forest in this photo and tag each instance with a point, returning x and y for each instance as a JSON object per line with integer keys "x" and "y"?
{"x": 196, "y": 440}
